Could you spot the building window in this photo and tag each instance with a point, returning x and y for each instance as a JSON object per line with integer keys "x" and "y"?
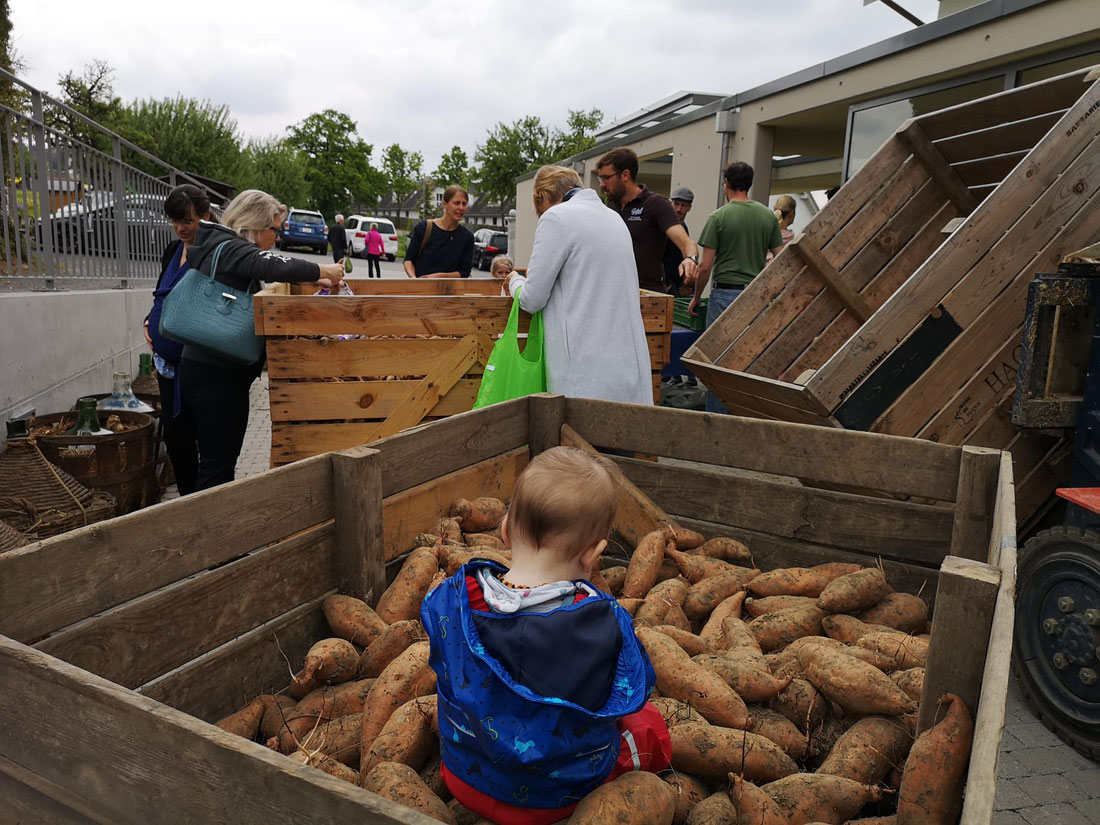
{"x": 1058, "y": 67}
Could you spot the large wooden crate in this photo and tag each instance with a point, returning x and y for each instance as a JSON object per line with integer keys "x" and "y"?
{"x": 424, "y": 351}
{"x": 122, "y": 641}
{"x": 875, "y": 319}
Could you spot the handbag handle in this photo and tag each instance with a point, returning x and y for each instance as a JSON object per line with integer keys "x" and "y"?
{"x": 214, "y": 267}
{"x": 533, "y": 350}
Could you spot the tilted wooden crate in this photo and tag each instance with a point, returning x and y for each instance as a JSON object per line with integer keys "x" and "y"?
{"x": 425, "y": 347}
{"x": 873, "y": 319}
{"x": 122, "y": 641}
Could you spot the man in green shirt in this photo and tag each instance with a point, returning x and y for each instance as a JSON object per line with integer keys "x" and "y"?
{"x": 736, "y": 240}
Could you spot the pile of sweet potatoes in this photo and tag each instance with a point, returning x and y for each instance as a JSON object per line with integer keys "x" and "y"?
{"x": 790, "y": 694}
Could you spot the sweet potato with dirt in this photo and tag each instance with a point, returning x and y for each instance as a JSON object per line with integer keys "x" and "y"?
{"x": 403, "y": 597}
{"x": 406, "y": 677}
{"x": 432, "y": 774}
{"x": 487, "y": 540}
{"x": 846, "y": 629}
{"x": 657, "y": 602}
{"x": 684, "y": 538}
{"x": 726, "y": 549}
{"x": 730, "y": 607}
{"x": 856, "y": 686}
{"x": 854, "y": 591}
{"x": 389, "y": 645}
{"x": 681, "y": 678}
{"x": 713, "y": 752}
{"x": 690, "y": 791}
{"x": 695, "y": 568}
{"x": 630, "y": 605}
{"x": 775, "y": 630}
{"x": 458, "y": 556}
{"x": 450, "y": 530}
{"x": 276, "y": 713}
{"x": 805, "y": 647}
{"x": 735, "y": 634}
{"x": 787, "y": 581}
{"x": 401, "y": 784}
{"x": 911, "y": 681}
{"x": 645, "y": 562}
{"x": 834, "y": 569}
{"x": 595, "y": 576}
{"x": 407, "y": 736}
{"x": 770, "y": 604}
{"x": 932, "y": 784}
{"x": 751, "y": 805}
{"x": 906, "y": 651}
{"x": 352, "y": 619}
{"x": 779, "y": 729}
{"x": 675, "y": 617}
{"x": 635, "y": 798}
{"x": 338, "y": 738}
{"x": 615, "y": 577}
{"x": 802, "y": 704}
{"x": 246, "y": 721}
{"x": 691, "y": 644}
{"x": 316, "y": 708}
{"x": 328, "y": 662}
{"x": 748, "y": 679}
{"x": 328, "y": 765}
{"x": 901, "y": 611}
{"x": 811, "y": 797}
{"x": 716, "y": 809}
{"x": 868, "y": 750}
{"x": 478, "y": 514}
{"x": 707, "y": 594}
{"x": 675, "y": 712}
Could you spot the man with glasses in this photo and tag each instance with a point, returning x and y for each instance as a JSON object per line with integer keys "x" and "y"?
{"x": 649, "y": 217}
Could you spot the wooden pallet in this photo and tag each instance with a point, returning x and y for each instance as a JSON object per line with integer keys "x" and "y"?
{"x": 425, "y": 351}
{"x": 871, "y": 320}
{"x": 167, "y": 624}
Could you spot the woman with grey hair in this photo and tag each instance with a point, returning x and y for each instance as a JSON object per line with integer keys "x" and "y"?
{"x": 213, "y": 390}
{"x": 583, "y": 277}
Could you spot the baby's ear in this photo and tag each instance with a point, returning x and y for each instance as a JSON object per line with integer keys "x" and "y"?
{"x": 591, "y": 554}
{"x": 504, "y": 531}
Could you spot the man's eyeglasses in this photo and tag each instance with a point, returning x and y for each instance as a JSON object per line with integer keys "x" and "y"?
{"x": 606, "y": 178}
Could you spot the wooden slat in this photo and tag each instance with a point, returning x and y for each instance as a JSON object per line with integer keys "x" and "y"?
{"x": 1018, "y": 136}
{"x": 979, "y": 471}
{"x": 545, "y": 415}
{"x": 913, "y": 136}
{"x": 357, "y": 506}
{"x": 28, "y": 798}
{"x": 110, "y": 746}
{"x": 897, "y": 530}
{"x": 965, "y": 598}
{"x": 832, "y": 279}
{"x": 366, "y": 400}
{"x": 797, "y": 402}
{"x": 126, "y": 644}
{"x": 988, "y": 170}
{"x": 63, "y": 579}
{"x": 815, "y": 454}
{"x": 364, "y": 358}
{"x": 418, "y": 509}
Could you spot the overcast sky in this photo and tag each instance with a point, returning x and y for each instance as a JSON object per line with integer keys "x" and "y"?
{"x": 432, "y": 74}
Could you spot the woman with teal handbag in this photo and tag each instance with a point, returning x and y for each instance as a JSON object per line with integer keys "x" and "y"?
{"x": 583, "y": 279}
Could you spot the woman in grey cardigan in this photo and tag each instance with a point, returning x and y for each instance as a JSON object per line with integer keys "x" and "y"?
{"x": 583, "y": 278}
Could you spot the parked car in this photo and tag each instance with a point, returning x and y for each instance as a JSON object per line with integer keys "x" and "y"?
{"x": 488, "y": 243}
{"x": 88, "y": 226}
{"x": 304, "y": 227}
{"x": 357, "y": 227}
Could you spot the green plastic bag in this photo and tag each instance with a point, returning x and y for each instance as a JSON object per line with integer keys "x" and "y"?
{"x": 510, "y": 373}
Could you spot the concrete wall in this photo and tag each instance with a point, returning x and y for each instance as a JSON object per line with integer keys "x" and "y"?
{"x": 57, "y": 346}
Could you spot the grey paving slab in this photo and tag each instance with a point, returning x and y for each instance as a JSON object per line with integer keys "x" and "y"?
{"x": 1056, "y": 814}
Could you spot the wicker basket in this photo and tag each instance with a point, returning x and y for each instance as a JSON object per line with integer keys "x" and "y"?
{"x": 10, "y": 538}
{"x": 60, "y": 501}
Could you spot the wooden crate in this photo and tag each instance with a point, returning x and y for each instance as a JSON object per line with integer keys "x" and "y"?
{"x": 122, "y": 641}
{"x": 426, "y": 351}
{"x": 872, "y": 320}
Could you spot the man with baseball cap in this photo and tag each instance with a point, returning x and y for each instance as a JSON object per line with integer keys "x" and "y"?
{"x": 681, "y": 198}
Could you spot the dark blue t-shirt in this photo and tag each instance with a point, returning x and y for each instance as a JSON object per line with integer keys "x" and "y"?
{"x": 445, "y": 251}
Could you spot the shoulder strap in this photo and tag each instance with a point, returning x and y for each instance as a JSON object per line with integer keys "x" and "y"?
{"x": 214, "y": 259}
{"x": 427, "y": 232}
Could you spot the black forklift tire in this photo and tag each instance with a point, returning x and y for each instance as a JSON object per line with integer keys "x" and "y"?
{"x": 1056, "y": 654}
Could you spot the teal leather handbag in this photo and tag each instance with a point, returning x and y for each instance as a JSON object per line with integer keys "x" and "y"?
{"x": 206, "y": 313}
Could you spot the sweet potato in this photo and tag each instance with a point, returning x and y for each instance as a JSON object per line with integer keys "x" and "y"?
{"x": 824, "y": 738}
{"x": 684, "y": 538}
{"x": 432, "y": 774}
{"x": 716, "y": 809}
{"x": 911, "y": 681}
{"x": 748, "y": 679}
{"x": 868, "y": 750}
{"x": 779, "y": 629}
{"x": 668, "y": 570}
{"x": 406, "y": 737}
{"x": 772, "y": 604}
{"x": 328, "y": 765}
{"x": 406, "y": 677}
{"x": 630, "y": 605}
{"x": 855, "y": 591}
{"x": 352, "y": 619}
{"x": 691, "y": 644}
{"x": 246, "y": 721}
{"x": 751, "y": 805}
{"x": 735, "y": 634}
{"x": 328, "y": 662}
{"x": 805, "y": 647}
{"x": 635, "y": 798}
{"x": 873, "y": 820}
{"x": 641, "y": 573}
{"x": 811, "y": 797}
{"x": 901, "y": 611}
{"x": 595, "y": 576}
{"x": 834, "y": 569}
{"x": 487, "y": 540}
{"x": 401, "y": 784}
{"x": 450, "y": 530}
{"x": 932, "y": 784}
{"x": 779, "y": 729}
{"x": 846, "y": 629}
{"x": 462, "y": 815}
{"x": 338, "y": 738}
{"x": 694, "y": 567}
{"x": 856, "y": 686}
{"x": 906, "y": 651}
{"x": 690, "y": 791}
{"x": 402, "y": 598}
{"x": 460, "y": 555}
{"x": 479, "y": 514}
{"x": 675, "y": 712}
{"x": 276, "y": 712}
{"x": 704, "y": 596}
{"x": 615, "y": 577}
{"x": 788, "y": 581}
{"x": 389, "y": 645}
{"x": 712, "y": 752}
{"x": 426, "y": 540}
{"x": 801, "y": 703}
{"x": 726, "y": 549}
{"x": 728, "y": 607}
{"x": 681, "y": 678}
{"x": 675, "y": 617}
{"x": 316, "y": 708}
{"x": 659, "y": 599}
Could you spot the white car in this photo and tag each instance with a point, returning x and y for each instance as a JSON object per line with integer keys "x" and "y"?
{"x": 356, "y": 228}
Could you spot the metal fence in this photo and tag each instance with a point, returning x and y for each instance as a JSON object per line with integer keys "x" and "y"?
{"x": 73, "y": 214}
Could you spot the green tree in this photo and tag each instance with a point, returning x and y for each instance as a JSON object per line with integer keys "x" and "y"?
{"x": 11, "y": 94}
{"x": 402, "y": 171}
{"x": 192, "y": 135}
{"x": 276, "y": 167}
{"x": 92, "y": 94}
{"x": 454, "y": 167}
{"x": 511, "y": 151}
{"x": 579, "y": 137}
{"x": 339, "y": 170}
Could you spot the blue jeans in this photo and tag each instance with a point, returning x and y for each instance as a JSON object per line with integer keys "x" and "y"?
{"x": 720, "y": 299}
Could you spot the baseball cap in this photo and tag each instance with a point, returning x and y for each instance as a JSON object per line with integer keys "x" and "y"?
{"x": 682, "y": 193}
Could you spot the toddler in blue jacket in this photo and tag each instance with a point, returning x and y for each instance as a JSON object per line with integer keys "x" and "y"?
{"x": 542, "y": 684}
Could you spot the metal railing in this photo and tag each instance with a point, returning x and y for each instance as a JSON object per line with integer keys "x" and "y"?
{"x": 71, "y": 213}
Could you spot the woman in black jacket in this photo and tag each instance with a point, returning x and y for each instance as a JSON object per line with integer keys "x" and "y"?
{"x": 214, "y": 390}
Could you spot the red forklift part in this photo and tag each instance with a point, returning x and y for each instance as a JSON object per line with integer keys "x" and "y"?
{"x": 1087, "y": 497}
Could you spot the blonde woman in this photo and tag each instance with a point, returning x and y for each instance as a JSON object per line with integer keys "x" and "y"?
{"x": 784, "y": 213}
{"x": 583, "y": 277}
{"x": 213, "y": 390}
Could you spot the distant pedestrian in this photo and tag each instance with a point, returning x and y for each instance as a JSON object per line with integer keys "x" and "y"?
{"x": 443, "y": 247}
{"x": 375, "y": 248}
{"x": 784, "y": 210}
{"x": 338, "y": 240}
{"x": 649, "y": 217}
{"x": 682, "y": 199}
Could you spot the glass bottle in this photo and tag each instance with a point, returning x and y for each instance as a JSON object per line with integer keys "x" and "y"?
{"x": 145, "y": 382}
{"x": 87, "y": 420}
{"x": 122, "y": 396}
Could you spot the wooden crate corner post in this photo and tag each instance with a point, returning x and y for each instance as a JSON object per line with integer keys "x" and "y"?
{"x": 979, "y": 468}
{"x": 360, "y": 543}
{"x": 545, "y": 416}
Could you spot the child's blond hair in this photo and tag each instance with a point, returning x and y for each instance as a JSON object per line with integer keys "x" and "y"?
{"x": 501, "y": 261}
{"x": 564, "y": 501}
